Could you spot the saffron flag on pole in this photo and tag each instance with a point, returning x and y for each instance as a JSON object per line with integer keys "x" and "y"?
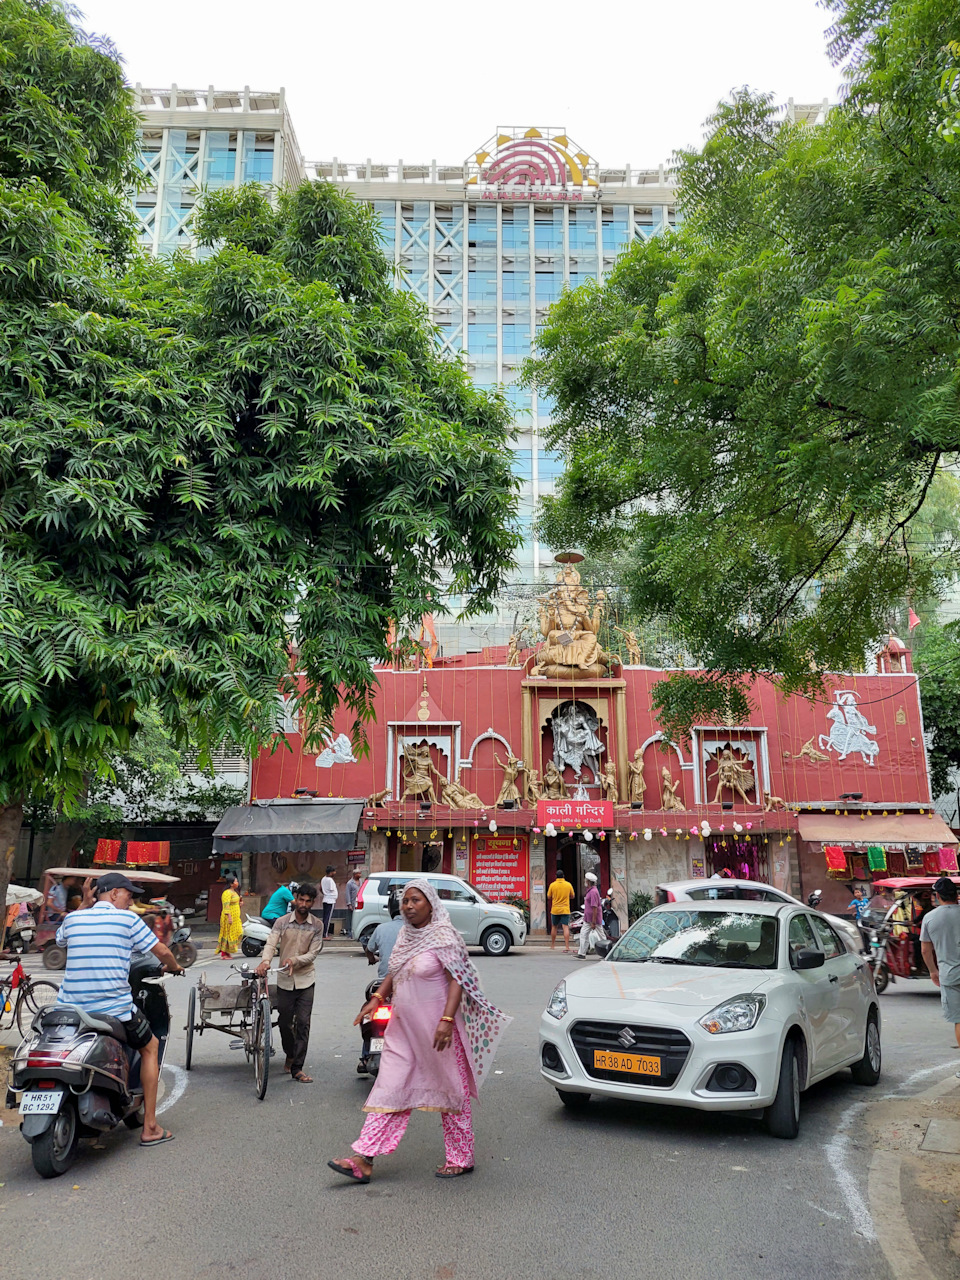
{"x": 912, "y": 619}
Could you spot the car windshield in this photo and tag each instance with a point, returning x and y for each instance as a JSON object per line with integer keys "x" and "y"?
{"x": 708, "y": 938}
{"x": 479, "y": 892}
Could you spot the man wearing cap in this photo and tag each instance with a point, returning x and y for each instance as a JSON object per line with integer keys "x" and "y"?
{"x": 592, "y": 914}
{"x": 940, "y": 944}
{"x": 100, "y": 939}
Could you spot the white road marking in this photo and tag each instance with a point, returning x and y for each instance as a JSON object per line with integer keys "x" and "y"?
{"x": 836, "y": 1150}
{"x": 826, "y": 1212}
{"x": 179, "y": 1085}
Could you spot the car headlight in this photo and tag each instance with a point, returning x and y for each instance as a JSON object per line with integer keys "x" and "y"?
{"x": 739, "y": 1014}
{"x": 557, "y": 1006}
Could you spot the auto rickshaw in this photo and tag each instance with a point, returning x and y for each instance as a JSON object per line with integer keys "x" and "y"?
{"x": 54, "y": 956}
{"x": 895, "y": 940}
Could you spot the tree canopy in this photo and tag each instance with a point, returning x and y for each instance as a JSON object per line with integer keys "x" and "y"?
{"x": 210, "y": 471}
{"x": 757, "y": 406}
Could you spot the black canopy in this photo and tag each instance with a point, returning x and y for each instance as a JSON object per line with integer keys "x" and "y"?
{"x": 289, "y": 826}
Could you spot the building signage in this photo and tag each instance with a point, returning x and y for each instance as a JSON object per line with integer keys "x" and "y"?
{"x": 358, "y": 856}
{"x": 575, "y": 813}
{"x": 501, "y": 867}
{"x": 532, "y": 164}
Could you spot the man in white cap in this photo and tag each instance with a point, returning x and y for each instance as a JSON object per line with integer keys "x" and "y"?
{"x": 592, "y": 914}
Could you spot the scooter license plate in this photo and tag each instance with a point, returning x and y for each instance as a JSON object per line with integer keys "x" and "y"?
{"x": 41, "y": 1102}
{"x": 376, "y": 1045}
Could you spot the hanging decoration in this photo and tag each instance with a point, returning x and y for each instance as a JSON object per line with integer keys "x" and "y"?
{"x": 107, "y": 851}
{"x": 931, "y": 864}
{"x": 877, "y": 857}
{"x": 948, "y": 857}
{"x": 836, "y": 858}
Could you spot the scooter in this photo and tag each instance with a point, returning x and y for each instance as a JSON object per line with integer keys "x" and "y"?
{"x": 255, "y": 935}
{"x": 372, "y": 1030}
{"x": 183, "y": 949}
{"x": 78, "y": 1077}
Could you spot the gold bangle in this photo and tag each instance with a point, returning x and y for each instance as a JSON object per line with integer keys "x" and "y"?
{"x": 446, "y": 1019}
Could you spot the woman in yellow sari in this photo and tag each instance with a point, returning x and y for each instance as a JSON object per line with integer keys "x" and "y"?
{"x": 231, "y": 930}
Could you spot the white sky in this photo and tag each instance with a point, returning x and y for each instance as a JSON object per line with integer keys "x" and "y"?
{"x": 419, "y": 80}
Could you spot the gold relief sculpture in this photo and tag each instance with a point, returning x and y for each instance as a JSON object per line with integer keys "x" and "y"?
{"x": 570, "y": 628}
{"x": 554, "y": 787}
{"x": 417, "y": 768}
{"x": 774, "y": 804}
{"x": 634, "y": 652}
{"x": 455, "y": 795}
{"x": 637, "y": 784}
{"x": 671, "y": 801}
{"x": 376, "y": 800}
{"x": 732, "y": 775}
{"x": 608, "y": 782}
{"x": 810, "y": 752}
{"x": 512, "y": 767}
{"x": 513, "y": 651}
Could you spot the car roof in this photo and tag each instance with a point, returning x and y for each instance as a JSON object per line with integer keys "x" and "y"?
{"x": 745, "y": 907}
{"x": 702, "y": 882}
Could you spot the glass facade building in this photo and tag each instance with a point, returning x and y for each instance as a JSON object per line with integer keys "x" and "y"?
{"x": 490, "y": 245}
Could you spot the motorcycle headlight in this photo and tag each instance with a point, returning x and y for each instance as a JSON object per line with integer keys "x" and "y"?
{"x": 557, "y": 1006}
{"x": 739, "y": 1014}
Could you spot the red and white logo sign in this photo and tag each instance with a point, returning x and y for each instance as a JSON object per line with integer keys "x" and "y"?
{"x": 573, "y": 813}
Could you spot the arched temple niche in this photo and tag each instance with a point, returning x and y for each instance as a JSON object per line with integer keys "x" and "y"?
{"x": 574, "y": 736}
{"x": 658, "y": 757}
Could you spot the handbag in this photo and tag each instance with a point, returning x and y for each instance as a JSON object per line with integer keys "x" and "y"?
{"x": 595, "y": 936}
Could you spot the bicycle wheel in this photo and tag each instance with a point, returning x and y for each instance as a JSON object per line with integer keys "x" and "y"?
{"x": 263, "y": 1035}
{"x": 191, "y": 1019}
{"x": 34, "y": 995}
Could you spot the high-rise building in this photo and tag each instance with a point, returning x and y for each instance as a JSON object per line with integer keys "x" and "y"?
{"x": 491, "y": 242}
{"x": 195, "y": 138}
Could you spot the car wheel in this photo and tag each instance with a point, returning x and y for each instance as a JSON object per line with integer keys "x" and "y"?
{"x": 575, "y": 1101}
{"x": 366, "y": 933}
{"x": 881, "y": 979}
{"x": 496, "y": 942}
{"x": 782, "y": 1117}
{"x": 867, "y": 1070}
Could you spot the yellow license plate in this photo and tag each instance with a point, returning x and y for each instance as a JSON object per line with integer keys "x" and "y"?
{"x": 638, "y": 1063}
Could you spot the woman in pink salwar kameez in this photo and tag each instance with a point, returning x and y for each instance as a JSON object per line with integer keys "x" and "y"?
{"x": 439, "y": 1043}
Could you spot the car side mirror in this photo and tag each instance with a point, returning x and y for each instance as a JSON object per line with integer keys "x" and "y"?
{"x": 602, "y": 949}
{"x": 808, "y": 958}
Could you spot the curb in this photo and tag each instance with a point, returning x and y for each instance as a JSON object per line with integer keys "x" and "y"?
{"x": 894, "y": 1233}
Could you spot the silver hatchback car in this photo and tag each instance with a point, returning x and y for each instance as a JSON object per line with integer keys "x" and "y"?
{"x": 495, "y": 926}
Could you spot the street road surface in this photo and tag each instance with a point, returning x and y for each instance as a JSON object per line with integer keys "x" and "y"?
{"x": 631, "y": 1190}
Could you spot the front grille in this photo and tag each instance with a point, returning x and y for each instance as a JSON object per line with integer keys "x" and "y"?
{"x": 670, "y": 1046}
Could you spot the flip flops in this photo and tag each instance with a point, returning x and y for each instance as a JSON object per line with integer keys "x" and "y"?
{"x": 158, "y": 1142}
{"x": 456, "y": 1172}
{"x": 301, "y": 1078}
{"x": 353, "y": 1172}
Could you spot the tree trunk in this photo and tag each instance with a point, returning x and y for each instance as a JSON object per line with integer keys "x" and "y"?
{"x": 11, "y": 820}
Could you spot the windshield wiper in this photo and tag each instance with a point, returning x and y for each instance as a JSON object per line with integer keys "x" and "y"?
{"x": 668, "y": 960}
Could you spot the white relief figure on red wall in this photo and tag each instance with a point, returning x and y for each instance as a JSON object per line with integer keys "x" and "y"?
{"x": 849, "y": 729}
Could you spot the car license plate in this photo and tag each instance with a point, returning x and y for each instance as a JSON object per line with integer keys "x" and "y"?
{"x": 41, "y": 1102}
{"x": 639, "y": 1064}
{"x": 376, "y": 1045}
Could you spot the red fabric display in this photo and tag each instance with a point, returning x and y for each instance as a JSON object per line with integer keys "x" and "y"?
{"x": 107, "y": 851}
{"x": 836, "y": 858}
{"x": 948, "y": 857}
{"x": 931, "y": 864}
{"x": 141, "y": 853}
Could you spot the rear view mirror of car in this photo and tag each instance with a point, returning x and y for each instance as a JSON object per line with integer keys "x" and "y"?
{"x": 808, "y": 958}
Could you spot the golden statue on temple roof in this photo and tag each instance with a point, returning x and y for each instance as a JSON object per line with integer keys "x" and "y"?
{"x": 571, "y": 628}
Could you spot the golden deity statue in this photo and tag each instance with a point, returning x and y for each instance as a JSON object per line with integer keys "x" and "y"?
{"x": 554, "y": 787}
{"x": 455, "y": 795}
{"x": 571, "y": 628}
{"x": 731, "y": 774}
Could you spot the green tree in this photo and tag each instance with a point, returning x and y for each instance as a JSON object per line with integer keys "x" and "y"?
{"x": 937, "y": 661}
{"x": 757, "y": 406}
{"x": 211, "y": 474}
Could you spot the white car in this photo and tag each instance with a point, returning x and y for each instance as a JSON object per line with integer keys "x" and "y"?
{"x": 725, "y": 1007}
{"x": 718, "y": 888}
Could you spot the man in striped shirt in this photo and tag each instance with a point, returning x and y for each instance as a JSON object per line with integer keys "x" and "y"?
{"x": 100, "y": 939}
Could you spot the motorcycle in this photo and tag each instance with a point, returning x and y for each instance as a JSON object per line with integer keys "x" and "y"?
{"x": 255, "y": 935}
{"x": 78, "y": 1077}
{"x": 372, "y": 1031}
{"x": 183, "y": 949}
{"x": 611, "y": 921}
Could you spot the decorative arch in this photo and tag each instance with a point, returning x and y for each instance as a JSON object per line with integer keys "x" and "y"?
{"x": 466, "y": 762}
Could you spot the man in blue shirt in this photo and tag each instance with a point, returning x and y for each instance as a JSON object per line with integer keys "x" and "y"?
{"x": 279, "y": 904}
{"x": 100, "y": 939}
{"x": 380, "y": 943}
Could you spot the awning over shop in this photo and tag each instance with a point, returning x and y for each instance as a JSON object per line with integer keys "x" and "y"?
{"x": 289, "y": 826}
{"x": 849, "y": 829}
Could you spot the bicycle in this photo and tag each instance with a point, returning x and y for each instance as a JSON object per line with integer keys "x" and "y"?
{"x": 32, "y": 995}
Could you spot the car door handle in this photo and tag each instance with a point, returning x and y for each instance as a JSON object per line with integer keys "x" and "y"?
{"x": 834, "y": 978}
